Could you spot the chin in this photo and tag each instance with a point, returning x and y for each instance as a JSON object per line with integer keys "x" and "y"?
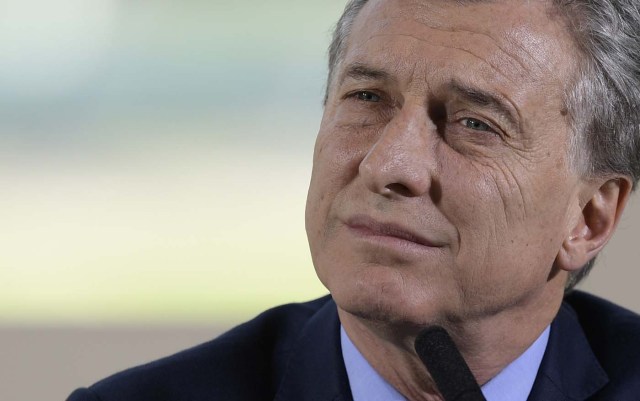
{"x": 384, "y": 301}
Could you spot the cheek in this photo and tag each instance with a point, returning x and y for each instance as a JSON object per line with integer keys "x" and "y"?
{"x": 472, "y": 200}
{"x": 337, "y": 156}
{"x": 487, "y": 208}
{"x": 335, "y": 165}
{"x": 494, "y": 198}
{"x": 508, "y": 229}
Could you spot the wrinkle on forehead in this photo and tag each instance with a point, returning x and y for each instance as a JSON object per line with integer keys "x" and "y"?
{"x": 521, "y": 41}
{"x": 493, "y": 62}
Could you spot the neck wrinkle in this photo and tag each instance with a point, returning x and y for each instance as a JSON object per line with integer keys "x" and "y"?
{"x": 393, "y": 361}
{"x": 487, "y": 346}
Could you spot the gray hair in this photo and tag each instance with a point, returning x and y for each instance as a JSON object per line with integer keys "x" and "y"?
{"x": 340, "y": 35}
{"x": 603, "y": 101}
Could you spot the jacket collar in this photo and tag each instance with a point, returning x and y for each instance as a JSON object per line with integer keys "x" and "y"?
{"x": 569, "y": 369}
{"x": 316, "y": 370}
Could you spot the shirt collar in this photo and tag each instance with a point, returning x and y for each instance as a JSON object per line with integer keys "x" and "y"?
{"x": 513, "y": 383}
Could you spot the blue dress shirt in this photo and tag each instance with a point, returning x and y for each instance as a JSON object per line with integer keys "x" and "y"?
{"x": 513, "y": 383}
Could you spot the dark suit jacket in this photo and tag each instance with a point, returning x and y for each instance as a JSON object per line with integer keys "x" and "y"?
{"x": 292, "y": 353}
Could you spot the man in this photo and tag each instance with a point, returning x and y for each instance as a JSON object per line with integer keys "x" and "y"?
{"x": 473, "y": 159}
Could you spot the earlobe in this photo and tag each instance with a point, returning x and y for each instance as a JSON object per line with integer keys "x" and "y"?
{"x": 595, "y": 224}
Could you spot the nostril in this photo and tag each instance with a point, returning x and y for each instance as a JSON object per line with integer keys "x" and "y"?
{"x": 399, "y": 189}
{"x": 435, "y": 191}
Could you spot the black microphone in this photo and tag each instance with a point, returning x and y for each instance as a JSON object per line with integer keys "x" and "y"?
{"x": 439, "y": 354}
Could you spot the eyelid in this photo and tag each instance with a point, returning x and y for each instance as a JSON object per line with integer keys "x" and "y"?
{"x": 493, "y": 127}
{"x": 477, "y": 120}
{"x": 354, "y": 93}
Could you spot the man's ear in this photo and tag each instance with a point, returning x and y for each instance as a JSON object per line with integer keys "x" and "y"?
{"x": 596, "y": 223}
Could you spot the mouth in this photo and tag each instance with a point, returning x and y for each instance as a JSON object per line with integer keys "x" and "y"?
{"x": 367, "y": 227}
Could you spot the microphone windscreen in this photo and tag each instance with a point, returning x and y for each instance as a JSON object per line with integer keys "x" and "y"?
{"x": 447, "y": 367}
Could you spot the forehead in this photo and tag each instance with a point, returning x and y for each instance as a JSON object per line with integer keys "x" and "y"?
{"x": 504, "y": 42}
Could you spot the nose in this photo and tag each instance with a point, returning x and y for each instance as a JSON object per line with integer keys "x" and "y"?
{"x": 400, "y": 162}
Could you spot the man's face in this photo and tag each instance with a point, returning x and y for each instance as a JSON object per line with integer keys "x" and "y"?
{"x": 441, "y": 186}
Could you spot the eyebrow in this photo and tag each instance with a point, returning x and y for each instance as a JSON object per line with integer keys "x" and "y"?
{"x": 473, "y": 95}
{"x": 362, "y": 72}
{"x": 487, "y": 100}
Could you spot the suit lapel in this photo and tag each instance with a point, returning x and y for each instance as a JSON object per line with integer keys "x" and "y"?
{"x": 316, "y": 369}
{"x": 569, "y": 369}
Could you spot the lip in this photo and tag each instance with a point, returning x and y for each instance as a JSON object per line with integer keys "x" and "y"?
{"x": 369, "y": 227}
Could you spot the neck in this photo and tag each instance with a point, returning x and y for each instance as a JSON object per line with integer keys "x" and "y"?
{"x": 488, "y": 344}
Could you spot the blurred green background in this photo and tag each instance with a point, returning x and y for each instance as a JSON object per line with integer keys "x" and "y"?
{"x": 155, "y": 155}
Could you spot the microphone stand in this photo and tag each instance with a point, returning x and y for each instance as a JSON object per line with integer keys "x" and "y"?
{"x": 441, "y": 357}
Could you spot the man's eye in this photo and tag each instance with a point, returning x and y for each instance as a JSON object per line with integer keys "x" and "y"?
{"x": 477, "y": 125}
{"x": 367, "y": 96}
